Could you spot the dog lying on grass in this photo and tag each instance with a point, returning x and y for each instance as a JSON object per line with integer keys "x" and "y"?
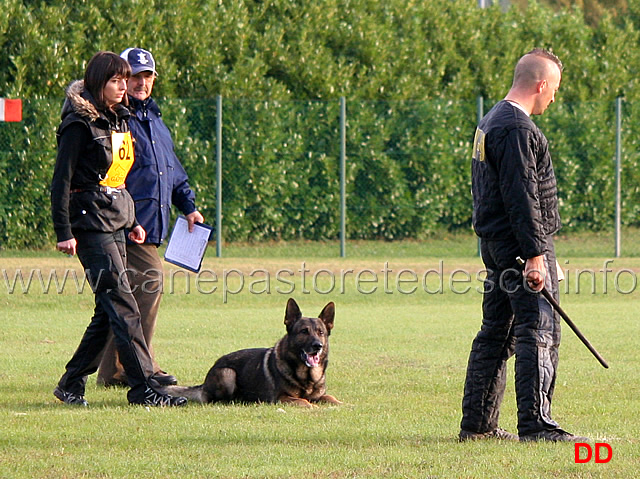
{"x": 292, "y": 371}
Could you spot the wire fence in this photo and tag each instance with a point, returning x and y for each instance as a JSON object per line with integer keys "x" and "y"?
{"x": 341, "y": 169}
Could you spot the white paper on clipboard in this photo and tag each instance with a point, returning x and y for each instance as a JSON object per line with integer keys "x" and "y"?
{"x": 187, "y": 249}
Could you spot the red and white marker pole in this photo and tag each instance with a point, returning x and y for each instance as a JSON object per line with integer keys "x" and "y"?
{"x": 10, "y": 110}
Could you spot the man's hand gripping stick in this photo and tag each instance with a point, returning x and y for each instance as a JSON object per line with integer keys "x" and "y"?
{"x": 554, "y": 304}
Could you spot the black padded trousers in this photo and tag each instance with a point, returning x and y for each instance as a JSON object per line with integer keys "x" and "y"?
{"x": 515, "y": 321}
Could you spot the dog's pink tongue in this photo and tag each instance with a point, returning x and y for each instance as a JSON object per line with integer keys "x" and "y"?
{"x": 313, "y": 360}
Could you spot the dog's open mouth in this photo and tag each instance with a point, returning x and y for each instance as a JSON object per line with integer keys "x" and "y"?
{"x": 312, "y": 360}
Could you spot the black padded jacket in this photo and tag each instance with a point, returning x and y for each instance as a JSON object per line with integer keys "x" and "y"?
{"x": 513, "y": 182}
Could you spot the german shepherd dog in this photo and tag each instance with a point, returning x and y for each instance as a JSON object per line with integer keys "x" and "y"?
{"x": 293, "y": 371}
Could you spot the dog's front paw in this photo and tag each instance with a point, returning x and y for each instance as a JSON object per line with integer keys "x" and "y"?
{"x": 329, "y": 398}
{"x": 296, "y": 401}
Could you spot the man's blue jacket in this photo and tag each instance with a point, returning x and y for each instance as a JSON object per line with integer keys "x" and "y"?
{"x": 157, "y": 179}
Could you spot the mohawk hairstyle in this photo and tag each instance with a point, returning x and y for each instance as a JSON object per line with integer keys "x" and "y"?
{"x": 541, "y": 52}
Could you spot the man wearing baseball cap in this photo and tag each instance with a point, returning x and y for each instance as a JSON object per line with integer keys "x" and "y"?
{"x": 156, "y": 181}
{"x": 140, "y": 60}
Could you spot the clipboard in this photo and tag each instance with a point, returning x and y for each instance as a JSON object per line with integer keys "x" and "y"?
{"x": 186, "y": 249}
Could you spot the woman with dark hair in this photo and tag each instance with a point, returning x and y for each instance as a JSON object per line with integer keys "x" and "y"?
{"x": 91, "y": 209}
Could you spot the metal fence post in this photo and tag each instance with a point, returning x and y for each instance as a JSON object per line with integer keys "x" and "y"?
{"x": 479, "y": 115}
{"x": 618, "y": 174}
{"x": 343, "y": 192}
{"x": 219, "y": 176}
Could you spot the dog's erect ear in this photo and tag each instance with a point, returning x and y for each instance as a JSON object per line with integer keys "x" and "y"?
{"x": 292, "y": 314}
{"x": 327, "y": 315}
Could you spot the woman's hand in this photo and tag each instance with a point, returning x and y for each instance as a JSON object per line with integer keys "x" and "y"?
{"x": 67, "y": 247}
{"x": 137, "y": 234}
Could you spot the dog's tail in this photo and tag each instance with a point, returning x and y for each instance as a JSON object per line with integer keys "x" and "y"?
{"x": 192, "y": 393}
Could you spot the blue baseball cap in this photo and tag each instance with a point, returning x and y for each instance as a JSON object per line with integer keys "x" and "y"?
{"x": 140, "y": 60}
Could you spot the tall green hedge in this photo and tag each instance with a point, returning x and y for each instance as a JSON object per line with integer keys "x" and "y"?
{"x": 411, "y": 72}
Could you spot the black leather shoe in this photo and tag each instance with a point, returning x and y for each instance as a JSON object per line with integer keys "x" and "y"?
{"x": 158, "y": 399}
{"x": 553, "y": 435}
{"x": 70, "y": 398}
{"x": 164, "y": 379}
{"x": 497, "y": 433}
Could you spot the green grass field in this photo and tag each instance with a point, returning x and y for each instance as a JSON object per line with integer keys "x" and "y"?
{"x": 398, "y": 360}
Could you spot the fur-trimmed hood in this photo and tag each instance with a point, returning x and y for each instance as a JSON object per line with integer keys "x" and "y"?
{"x": 79, "y": 101}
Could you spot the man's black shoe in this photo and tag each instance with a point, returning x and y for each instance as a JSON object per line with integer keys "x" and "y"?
{"x": 553, "y": 435}
{"x": 69, "y": 398}
{"x": 497, "y": 433}
{"x": 164, "y": 379}
{"x": 155, "y": 398}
